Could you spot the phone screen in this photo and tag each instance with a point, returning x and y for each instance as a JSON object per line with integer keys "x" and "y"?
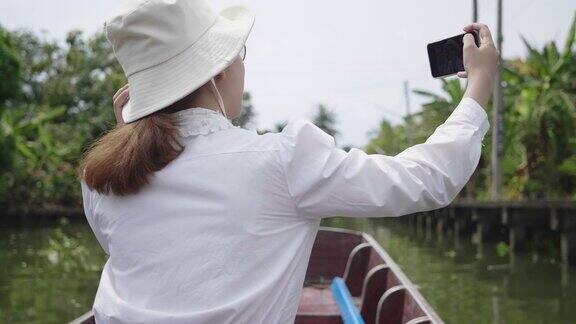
{"x": 446, "y": 56}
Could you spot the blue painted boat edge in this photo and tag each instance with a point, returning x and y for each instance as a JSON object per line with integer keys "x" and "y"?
{"x": 348, "y": 310}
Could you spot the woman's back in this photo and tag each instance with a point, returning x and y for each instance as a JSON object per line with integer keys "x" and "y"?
{"x": 213, "y": 237}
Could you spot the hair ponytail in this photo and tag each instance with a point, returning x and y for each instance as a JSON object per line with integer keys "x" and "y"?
{"x": 122, "y": 161}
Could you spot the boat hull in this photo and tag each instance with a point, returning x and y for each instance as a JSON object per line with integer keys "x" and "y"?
{"x": 382, "y": 292}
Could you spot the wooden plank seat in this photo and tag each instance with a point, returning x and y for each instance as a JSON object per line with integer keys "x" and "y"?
{"x": 318, "y": 299}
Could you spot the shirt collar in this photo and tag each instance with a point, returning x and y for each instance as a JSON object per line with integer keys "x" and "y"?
{"x": 201, "y": 121}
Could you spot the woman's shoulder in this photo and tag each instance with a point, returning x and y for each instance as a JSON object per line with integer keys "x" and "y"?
{"x": 298, "y": 134}
{"x": 300, "y": 139}
{"x": 302, "y": 132}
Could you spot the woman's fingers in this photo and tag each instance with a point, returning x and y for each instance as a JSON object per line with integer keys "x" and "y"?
{"x": 121, "y": 99}
{"x": 469, "y": 42}
{"x": 483, "y": 31}
{"x": 119, "y": 92}
{"x": 462, "y": 75}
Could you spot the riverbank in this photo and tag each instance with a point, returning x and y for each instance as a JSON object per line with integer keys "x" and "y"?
{"x": 32, "y": 215}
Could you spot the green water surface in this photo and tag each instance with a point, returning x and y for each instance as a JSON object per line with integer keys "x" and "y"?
{"x": 50, "y": 274}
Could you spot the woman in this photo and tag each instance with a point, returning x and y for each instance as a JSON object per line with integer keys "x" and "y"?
{"x": 204, "y": 222}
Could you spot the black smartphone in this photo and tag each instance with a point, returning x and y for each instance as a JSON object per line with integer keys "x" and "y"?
{"x": 447, "y": 57}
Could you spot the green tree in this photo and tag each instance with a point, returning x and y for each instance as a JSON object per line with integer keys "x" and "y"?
{"x": 278, "y": 127}
{"x": 10, "y": 68}
{"x": 65, "y": 104}
{"x": 390, "y": 140}
{"x": 10, "y": 87}
{"x": 542, "y": 117}
{"x": 81, "y": 76}
{"x": 437, "y": 109}
{"x": 326, "y": 120}
{"x": 38, "y": 166}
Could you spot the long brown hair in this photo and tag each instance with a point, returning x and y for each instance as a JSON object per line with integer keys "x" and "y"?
{"x": 122, "y": 161}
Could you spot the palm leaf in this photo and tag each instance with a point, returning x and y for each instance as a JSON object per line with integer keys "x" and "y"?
{"x": 552, "y": 54}
{"x": 570, "y": 39}
{"x": 535, "y": 59}
{"x": 429, "y": 94}
{"x": 26, "y": 151}
{"x": 567, "y": 54}
{"x": 49, "y": 116}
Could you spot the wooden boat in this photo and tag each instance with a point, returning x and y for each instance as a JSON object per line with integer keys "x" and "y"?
{"x": 378, "y": 288}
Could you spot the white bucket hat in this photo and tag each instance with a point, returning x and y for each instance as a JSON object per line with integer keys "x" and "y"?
{"x": 169, "y": 48}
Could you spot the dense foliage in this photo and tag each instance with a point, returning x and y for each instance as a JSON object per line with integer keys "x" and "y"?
{"x": 58, "y": 108}
{"x": 55, "y": 98}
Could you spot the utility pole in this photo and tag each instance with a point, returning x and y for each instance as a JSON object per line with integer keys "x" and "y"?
{"x": 497, "y": 127}
{"x": 409, "y": 135}
{"x": 474, "y": 11}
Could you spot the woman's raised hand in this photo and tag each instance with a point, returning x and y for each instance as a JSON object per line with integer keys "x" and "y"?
{"x": 120, "y": 99}
{"x": 480, "y": 63}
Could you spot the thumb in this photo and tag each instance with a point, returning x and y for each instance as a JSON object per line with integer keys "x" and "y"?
{"x": 469, "y": 41}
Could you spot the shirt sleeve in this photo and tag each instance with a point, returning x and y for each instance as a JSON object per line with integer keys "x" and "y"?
{"x": 89, "y": 204}
{"x": 326, "y": 181}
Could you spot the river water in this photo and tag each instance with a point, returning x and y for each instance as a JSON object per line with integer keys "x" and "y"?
{"x": 49, "y": 274}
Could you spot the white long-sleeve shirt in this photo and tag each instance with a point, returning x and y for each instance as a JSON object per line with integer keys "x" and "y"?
{"x": 223, "y": 234}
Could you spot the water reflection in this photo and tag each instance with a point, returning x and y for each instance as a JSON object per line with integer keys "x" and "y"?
{"x": 472, "y": 276}
{"x": 48, "y": 275}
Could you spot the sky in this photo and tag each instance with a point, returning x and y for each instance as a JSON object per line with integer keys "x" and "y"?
{"x": 352, "y": 56}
